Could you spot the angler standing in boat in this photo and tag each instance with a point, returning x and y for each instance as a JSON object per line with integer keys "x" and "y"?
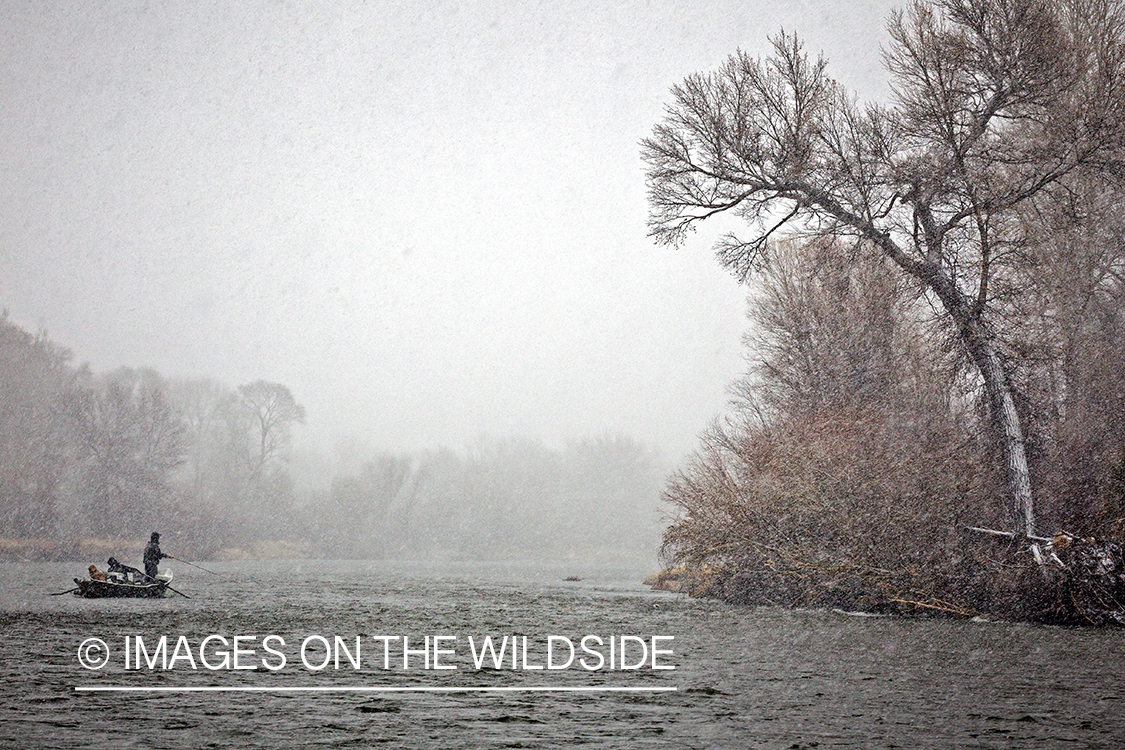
{"x": 153, "y": 555}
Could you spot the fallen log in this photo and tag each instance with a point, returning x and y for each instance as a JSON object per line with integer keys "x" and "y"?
{"x": 1008, "y": 534}
{"x": 940, "y": 606}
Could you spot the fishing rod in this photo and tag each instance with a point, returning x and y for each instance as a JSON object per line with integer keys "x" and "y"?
{"x": 185, "y": 562}
{"x": 60, "y": 593}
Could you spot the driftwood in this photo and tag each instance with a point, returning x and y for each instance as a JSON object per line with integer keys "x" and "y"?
{"x": 1086, "y": 575}
{"x": 938, "y": 605}
{"x": 1008, "y": 534}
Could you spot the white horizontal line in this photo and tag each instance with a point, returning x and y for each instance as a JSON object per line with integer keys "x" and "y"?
{"x": 367, "y": 689}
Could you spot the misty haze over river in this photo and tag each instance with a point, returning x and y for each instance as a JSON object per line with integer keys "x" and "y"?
{"x": 744, "y": 677}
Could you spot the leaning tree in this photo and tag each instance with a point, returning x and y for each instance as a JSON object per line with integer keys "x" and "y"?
{"x": 995, "y": 102}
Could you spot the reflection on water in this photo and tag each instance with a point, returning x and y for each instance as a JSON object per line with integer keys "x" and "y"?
{"x": 744, "y": 677}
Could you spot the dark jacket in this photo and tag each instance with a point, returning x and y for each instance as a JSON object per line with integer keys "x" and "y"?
{"x": 153, "y": 555}
{"x": 116, "y": 567}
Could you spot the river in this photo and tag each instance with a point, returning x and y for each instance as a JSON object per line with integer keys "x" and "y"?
{"x": 722, "y": 676}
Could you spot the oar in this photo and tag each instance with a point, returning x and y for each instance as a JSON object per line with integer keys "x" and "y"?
{"x": 185, "y": 562}
{"x": 60, "y": 593}
{"x": 178, "y": 592}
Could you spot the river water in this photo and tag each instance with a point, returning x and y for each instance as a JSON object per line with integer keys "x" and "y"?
{"x": 742, "y": 677}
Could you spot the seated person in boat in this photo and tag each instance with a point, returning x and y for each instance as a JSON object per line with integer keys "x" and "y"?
{"x": 95, "y": 574}
{"x": 153, "y": 555}
{"x": 123, "y": 572}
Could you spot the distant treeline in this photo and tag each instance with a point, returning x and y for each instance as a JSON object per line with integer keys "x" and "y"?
{"x": 595, "y": 499}
{"x": 118, "y": 455}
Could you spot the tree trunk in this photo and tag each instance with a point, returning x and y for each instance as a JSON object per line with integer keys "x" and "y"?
{"x": 1003, "y": 408}
{"x": 985, "y": 353}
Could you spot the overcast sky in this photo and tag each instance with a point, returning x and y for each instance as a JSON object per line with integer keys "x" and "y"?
{"x": 426, "y": 219}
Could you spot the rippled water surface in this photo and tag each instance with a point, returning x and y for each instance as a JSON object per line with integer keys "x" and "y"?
{"x": 744, "y": 677}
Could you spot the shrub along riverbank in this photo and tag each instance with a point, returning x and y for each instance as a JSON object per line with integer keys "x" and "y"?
{"x": 1080, "y": 582}
{"x": 858, "y": 452}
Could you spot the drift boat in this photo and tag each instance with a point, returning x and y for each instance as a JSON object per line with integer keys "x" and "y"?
{"x": 118, "y": 586}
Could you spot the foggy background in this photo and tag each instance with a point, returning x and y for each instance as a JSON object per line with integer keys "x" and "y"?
{"x": 427, "y": 222}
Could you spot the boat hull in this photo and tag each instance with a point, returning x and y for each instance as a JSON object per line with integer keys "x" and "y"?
{"x": 107, "y": 589}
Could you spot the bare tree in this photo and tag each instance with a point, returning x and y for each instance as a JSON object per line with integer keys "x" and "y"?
{"x": 273, "y": 410}
{"x": 34, "y": 378}
{"x": 829, "y": 328}
{"x": 1067, "y": 333}
{"x": 200, "y": 402}
{"x": 130, "y": 440}
{"x": 995, "y": 101}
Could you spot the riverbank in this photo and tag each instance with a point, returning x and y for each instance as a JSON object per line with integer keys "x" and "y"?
{"x": 1073, "y": 582}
